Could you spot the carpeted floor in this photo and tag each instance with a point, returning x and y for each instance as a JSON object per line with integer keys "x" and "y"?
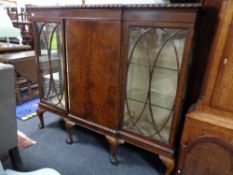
{"x": 88, "y": 155}
{"x": 27, "y": 110}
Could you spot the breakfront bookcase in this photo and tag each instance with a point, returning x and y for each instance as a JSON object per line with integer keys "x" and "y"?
{"x": 119, "y": 70}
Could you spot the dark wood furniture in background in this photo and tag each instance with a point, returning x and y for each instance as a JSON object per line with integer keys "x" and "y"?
{"x": 13, "y": 12}
{"x": 206, "y": 155}
{"x": 26, "y": 31}
{"x": 119, "y": 70}
{"x": 20, "y": 20}
{"x": 25, "y": 74}
{"x": 24, "y": 63}
{"x": 209, "y": 126}
{"x": 205, "y": 34}
{"x": 8, "y": 48}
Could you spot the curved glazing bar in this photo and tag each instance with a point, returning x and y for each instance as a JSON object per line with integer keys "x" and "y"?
{"x": 51, "y": 63}
{"x": 154, "y": 62}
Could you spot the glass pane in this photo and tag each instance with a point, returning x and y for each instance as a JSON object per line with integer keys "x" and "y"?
{"x": 154, "y": 61}
{"x": 51, "y": 63}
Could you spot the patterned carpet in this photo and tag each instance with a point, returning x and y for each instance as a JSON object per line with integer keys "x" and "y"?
{"x": 27, "y": 110}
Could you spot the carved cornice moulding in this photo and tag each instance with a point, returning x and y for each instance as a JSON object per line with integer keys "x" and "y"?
{"x": 133, "y": 6}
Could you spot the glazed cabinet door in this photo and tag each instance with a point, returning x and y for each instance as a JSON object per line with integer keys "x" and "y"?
{"x": 51, "y": 63}
{"x": 223, "y": 90}
{"x": 156, "y": 63}
{"x": 93, "y": 54}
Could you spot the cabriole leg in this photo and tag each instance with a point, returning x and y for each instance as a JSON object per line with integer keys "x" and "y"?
{"x": 69, "y": 127}
{"x": 114, "y": 142}
{"x": 169, "y": 163}
{"x": 40, "y": 113}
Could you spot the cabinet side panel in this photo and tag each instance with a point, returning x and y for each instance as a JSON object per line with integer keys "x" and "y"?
{"x": 223, "y": 91}
{"x": 93, "y": 54}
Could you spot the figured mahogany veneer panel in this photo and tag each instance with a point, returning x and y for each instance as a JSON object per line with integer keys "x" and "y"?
{"x": 223, "y": 91}
{"x": 170, "y": 15}
{"x": 68, "y": 13}
{"x": 93, "y": 69}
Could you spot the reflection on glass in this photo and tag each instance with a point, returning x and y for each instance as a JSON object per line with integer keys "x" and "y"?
{"x": 154, "y": 61}
{"x": 51, "y": 63}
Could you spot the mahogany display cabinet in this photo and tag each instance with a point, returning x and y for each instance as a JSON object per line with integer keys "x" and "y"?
{"x": 119, "y": 70}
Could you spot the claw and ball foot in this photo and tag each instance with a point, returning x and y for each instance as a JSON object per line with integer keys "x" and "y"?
{"x": 114, "y": 142}
{"x": 40, "y": 113}
{"x": 169, "y": 163}
{"x": 69, "y": 127}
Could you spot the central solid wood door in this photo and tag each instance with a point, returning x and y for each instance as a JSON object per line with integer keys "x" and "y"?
{"x": 223, "y": 91}
{"x": 93, "y": 55}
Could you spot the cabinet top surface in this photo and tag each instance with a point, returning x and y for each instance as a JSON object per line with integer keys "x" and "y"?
{"x": 126, "y": 6}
